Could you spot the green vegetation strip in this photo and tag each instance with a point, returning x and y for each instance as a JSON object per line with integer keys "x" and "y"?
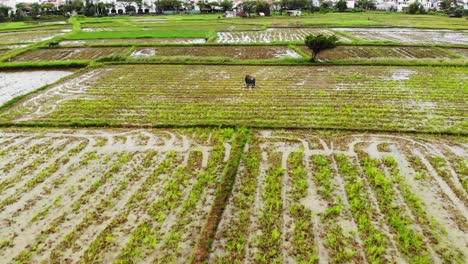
{"x": 202, "y": 248}
{"x": 142, "y": 34}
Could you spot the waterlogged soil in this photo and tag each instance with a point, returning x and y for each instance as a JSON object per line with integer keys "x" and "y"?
{"x": 272, "y": 35}
{"x": 119, "y": 173}
{"x": 353, "y": 97}
{"x": 463, "y": 52}
{"x": 133, "y": 41}
{"x": 117, "y": 190}
{"x": 369, "y": 52}
{"x": 238, "y": 53}
{"x": 13, "y": 84}
{"x": 29, "y": 36}
{"x": 70, "y": 53}
{"x": 240, "y": 234}
{"x": 410, "y": 35}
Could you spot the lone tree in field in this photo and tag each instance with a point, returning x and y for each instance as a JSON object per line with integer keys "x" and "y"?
{"x": 319, "y": 43}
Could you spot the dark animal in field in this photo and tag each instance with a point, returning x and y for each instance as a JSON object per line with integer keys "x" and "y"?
{"x": 53, "y": 43}
{"x": 250, "y": 81}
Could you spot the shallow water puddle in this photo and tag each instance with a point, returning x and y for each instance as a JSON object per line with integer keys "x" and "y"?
{"x": 14, "y": 84}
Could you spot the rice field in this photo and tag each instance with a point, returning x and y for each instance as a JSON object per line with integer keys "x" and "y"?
{"x": 410, "y": 35}
{"x": 346, "y": 97}
{"x": 233, "y": 52}
{"x": 369, "y": 52}
{"x": 29, "y": 36}
{"x": 145, "y": 195}
{"x": 61, "y": 54}
{"x": 272, "y": 35}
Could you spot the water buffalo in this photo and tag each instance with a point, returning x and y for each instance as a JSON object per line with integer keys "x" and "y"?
{"x": 250, "y": 81}
{"x": 53, "y": 43}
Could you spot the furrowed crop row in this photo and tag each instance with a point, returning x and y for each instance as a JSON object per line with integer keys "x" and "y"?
{"x": 304, "y": 250}
{"x": 33, "y": 152}
{"x": 375, "y": 241}
{"x": 442, "y": 168}
{"x": 341, "y": 246}
{"x": 38, "y": 163}
{"x": 430, "y": 228}
{"x": 271, "y": 215}
{"x": 53, "y": 228}
{"x": 142, "y": 238}
{"x": 188, "y": 227}
{"x": 166, "y": 240}
{"x": 100, "y": 214}
{"x": 235, "y": 231}
{"x": 409, "y": 241}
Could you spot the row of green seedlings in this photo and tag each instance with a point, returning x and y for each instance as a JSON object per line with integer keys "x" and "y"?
{"x": 56, "y": 204}
{"x": 270, "y": 218}
{"x": 73, "y": 169}
{"x": 42, "y": 175}
{"x": 409, "y": 242}
{"x": 59, "y": 180}
{"x": 149, "y": 234}
{"x": 9, "y": 145}
{"x": 36, "y": 152}
{"x": 442, "y": 168}
{"x": 107, "y": 240}
{"x": 187, "y": 227}
{"x": 39, "y": 243}
{"x": 237, "y": 230}
{"x": 99, "y": 215}
{"x": 431, "y": 229}
{"x": 200, "y": 114}
{"x": 422, "y": 175}
{"x": 342, "y": 247}
{"x": 375, "y": 241}
{"x": 141, "y": 238}
{"x": 304, "y": 250}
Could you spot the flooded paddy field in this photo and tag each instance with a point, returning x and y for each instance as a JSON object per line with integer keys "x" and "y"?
{"x": 133, "y": 41}
{"x": 271, "y": 35}
{"x": 29, "y": 36}
{"x": 87, "y": 53}
{"x": 357, "y": 97}
{"x": 145, "y": 195}
{"x": 16, "y": 83}
{"x": 368, "y": 52}
{"x": 234, "y": 52}
{"x": 410, "y": 35}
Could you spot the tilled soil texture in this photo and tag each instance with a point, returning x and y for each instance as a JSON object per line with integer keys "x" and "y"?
{"x": 70, "y": 53}
{"x": 132, "y": 41}
{"x": 29, "y": 36}
{"x": 410, "y": 35}
{"x": 144, "y": 195}
{"x": 272, "y": 35}
{"x": 234, "y": 52}
{"x": 368, "y": 52}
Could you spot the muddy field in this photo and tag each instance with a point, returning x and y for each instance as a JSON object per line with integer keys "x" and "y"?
{"x": 368, "y": 52}
{"x": 305, "y": 198}
{"x": 132, "y": 41}
{"x": 29, "y": 36}
{"x": 239, "y": 52}
{"x": 272, "y": 35}
{"x": 70, "y": 53}
{"x": 82, "y": 196}
{"x": 357, "y": 97}
{"x": 410, "y": 35}
{"x": 17, "y": 83}
{"x": 463, "y": 52}
{"x": 144, "y": 196}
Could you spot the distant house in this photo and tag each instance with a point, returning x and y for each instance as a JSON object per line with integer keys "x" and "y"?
{"x": 294, "y": 12}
